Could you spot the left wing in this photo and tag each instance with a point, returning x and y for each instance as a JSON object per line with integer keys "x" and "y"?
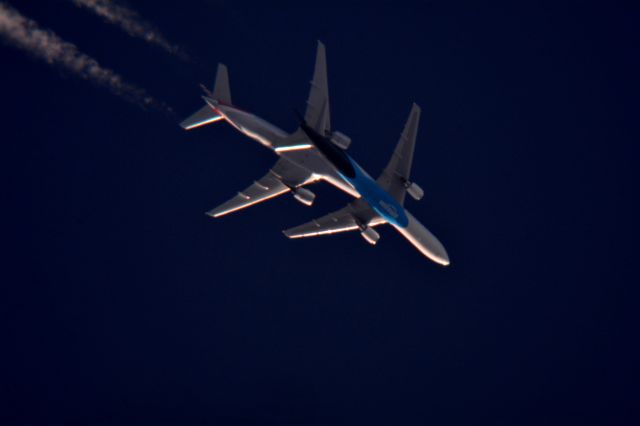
{"x": 283, "y": 177}
{"x": 355, "y": 216}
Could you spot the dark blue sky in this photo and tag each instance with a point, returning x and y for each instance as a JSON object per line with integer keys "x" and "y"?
{"x": 121, "y": 302}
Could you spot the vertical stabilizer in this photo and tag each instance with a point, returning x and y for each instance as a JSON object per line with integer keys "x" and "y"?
{"x": 221, "y": 91}
{"x": 207, "y": 114}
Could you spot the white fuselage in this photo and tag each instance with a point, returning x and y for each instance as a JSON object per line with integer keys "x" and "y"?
{"x": 251, "y": 125}
{"x": 309, "y": 158}
{"x": 270, "y": 136}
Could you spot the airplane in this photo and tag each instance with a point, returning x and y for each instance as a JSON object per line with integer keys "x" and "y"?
{"x": 315, "y": 152}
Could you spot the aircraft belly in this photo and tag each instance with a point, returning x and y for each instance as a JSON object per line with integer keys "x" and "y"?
{"x": 256, "y": 128}
{"x": 313, "y": 161}
{"x": 424, "y": 240}
{"x": 271, "y": 136}
{"x": 341, "y": 184}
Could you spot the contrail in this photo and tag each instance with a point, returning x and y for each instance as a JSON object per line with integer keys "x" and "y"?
{"x": 26, "y": 34}
{"x": 129, "y": 21}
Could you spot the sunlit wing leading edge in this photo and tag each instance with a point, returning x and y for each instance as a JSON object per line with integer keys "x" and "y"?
{"x": 342, "y": 220}
{"x": 314, "y": 228}
{"x": 203, "y": 116}
{"x": 267, "y": 187}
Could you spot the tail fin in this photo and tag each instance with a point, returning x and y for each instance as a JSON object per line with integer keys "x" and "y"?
{"x": 207, "y": 114}
{"x": 221, "y": 91}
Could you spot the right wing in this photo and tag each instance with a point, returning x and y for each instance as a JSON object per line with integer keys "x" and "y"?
{"x": 280, "y": 179}
{"x": 355, "y": 216}
{"x": 317, "y": 114}
{"x": 398, "y": 169}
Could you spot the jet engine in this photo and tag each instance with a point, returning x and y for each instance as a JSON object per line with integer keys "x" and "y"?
{"x": 341, "y": 140}
{"x": 370, "y": 235}
{"x": 303, "y": 195}
{"x": 414, "y": 190}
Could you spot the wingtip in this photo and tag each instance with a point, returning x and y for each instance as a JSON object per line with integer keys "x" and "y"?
{"x": 286, "y": 233}
{"x": 212, "y": 214}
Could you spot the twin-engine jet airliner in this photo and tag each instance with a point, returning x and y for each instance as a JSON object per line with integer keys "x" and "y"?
{"x": 315, "y": 152}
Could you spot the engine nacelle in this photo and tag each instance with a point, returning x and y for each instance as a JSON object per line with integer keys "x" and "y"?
{"x": 370, "y": 235}
{"x": 414, "y": 190}
{"x": 340, "y": 140}
{"x": 303, "y": 195}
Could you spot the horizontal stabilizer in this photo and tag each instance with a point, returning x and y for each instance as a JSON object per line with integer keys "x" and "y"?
{"x": 206, "y": 114}
{"x": 202, "y": 117}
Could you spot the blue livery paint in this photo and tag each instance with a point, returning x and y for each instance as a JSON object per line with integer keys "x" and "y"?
{"x": 379, "y": 199}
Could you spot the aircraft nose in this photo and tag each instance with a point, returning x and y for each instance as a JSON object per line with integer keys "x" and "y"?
{"x": 438, "y": 253}
{"x": 444, "y": 259}
{"x": 424, "y": 241}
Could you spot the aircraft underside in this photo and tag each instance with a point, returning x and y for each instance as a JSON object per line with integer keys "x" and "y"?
{"x": 316, "y": 152}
